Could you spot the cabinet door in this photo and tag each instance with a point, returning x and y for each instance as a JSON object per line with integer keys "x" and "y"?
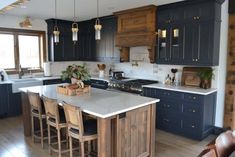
{"x": 205, "y": 55}
{"x": 4, "y": 104}
{"x": 191, "y": 48}
{"x": 163, "y": 48}
{"x": 200, "y": 11}
{"x": 106, "y": 49}
{"x": 176, "y": 43}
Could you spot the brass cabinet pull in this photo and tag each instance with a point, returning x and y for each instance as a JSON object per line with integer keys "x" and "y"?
{"x": 193, "y": 126}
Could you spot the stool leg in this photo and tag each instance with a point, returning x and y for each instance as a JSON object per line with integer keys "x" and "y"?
{"x": 41, "y": 129}
{"x": 59, "y": 142}
{"x": 71, "y": 146}
{"x": 89, "y": 148}
{"x": 32, "y": 123}
{"x": 82, "y": 149}
{"x": 49, "y": 138}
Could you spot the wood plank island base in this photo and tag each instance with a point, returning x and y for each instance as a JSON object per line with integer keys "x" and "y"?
{"x": 126, "y": 122}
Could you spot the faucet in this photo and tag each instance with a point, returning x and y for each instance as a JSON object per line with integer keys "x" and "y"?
{"x": 20, "y": 72}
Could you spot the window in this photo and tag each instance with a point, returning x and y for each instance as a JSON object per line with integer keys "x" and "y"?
{"x": 21, "y": 47}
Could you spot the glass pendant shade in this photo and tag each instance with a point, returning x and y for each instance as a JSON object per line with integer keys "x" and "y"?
{"x": 75, "y": 32}
{"x": 56, "y": 33}
{"x": 98, "y": 28}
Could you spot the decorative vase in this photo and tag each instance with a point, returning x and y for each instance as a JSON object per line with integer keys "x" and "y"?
{"x": 205, "y": 84}
{"x": 74, "y": 80}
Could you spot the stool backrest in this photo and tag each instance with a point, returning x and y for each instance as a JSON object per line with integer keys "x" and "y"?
{"x": 74, "y": 118}
{"x": 35, "y": 101}
{"x": 51, "y": 108}
{"x": 225, "y": 144}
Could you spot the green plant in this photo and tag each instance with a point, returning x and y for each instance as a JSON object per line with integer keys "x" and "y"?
{"x": 76, "y": 71}
{"x": 206, "y": 74}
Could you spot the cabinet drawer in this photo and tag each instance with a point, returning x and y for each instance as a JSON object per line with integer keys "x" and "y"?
{"x": 192, "y": 109}
{"x": 169, "y": 106}
{"x": 168, "y": 123}
{"x": 191, "y": 128}
{"x": 169, "y": 94}
{"x": 149, "y": 92}
{"x": 193, "y": 97}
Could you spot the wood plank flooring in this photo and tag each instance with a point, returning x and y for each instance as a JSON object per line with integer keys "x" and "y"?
{"x": 14, "y": 144}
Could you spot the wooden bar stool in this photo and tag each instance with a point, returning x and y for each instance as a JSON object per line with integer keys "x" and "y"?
{"x": 84, "y": 131}
{"x": 37, "y": 111}
{"x": 56, "y": 119}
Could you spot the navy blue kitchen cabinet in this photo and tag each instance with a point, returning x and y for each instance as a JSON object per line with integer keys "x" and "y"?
{"x": 105, "y": 48}
{"x": 186, "y": 114}
{"x": 85, "y": 47}
{"x": 4, "y": 100}
{"x": 66, "y": 49}
{"x": 189, "y": 33}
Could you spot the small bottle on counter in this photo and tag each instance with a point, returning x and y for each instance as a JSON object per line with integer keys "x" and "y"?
{"x": 168, "y": 80}
{"x": 110, "y": 72}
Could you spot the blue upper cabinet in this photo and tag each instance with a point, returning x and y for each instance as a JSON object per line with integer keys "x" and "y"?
{"x": 66, "y": 49}
{"x": 105, "y": 48}
{"x": 189, "y": 33}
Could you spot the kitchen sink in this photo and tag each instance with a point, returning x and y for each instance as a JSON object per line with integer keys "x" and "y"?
{"x": 24, "y": 80}
{"x": 27, "y": 82}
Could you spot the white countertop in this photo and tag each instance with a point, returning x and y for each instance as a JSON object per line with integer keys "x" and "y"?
{"x": 182, "y": 89}
{"x": 6, "y": 82}
{"x": 98, "y": 102}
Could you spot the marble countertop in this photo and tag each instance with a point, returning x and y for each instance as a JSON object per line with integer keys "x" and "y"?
{"x": 182, "y": 89}
{"x": 6, "y": 82}
{"x": 98, "y": 102}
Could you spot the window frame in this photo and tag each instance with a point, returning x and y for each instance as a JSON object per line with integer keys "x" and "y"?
{"x": 42, "y": 46}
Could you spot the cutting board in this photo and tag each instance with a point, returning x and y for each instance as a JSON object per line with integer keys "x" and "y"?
{"x": 190, "y": 76}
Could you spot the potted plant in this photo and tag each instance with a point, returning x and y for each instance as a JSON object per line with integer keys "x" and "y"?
{"x": 75, "y": 73}
{"x": 206, "y": 76}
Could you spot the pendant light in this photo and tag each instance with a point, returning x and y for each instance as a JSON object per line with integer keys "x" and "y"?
{"x": 98, "y": 26}
{"x": 74, "y": 26}
{"x": 56, "y": 31}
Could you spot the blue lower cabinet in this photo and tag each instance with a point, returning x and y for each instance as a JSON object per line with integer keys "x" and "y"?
{"x": 4, "y": 100}
{"x": 185, "y": 114}
{"x": 168, "y": 122}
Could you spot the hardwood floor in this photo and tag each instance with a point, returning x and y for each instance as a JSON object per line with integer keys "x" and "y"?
{"x": 14, "y": 144}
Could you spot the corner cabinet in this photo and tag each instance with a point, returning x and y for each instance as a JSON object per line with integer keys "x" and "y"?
{"x": 189, "y": 33}
{"x": 66, "y": 49}
{"x": 185, "y": 114}
{"x": 105, "y": 48}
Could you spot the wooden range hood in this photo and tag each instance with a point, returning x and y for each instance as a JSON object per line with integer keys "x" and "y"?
{"x": 136, "y": 27}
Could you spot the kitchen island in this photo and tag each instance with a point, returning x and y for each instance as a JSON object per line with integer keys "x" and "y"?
{"x": 126, "y": 122}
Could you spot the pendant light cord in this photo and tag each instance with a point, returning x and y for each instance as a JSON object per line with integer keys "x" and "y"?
{"x": 74, "y": 4}
{"x": 97, "y": 9}
{"x": 55, "y": 13}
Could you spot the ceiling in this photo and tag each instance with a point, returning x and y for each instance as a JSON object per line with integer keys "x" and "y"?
{"x": 85, "y": 9}
{"x": 6, "y": 3}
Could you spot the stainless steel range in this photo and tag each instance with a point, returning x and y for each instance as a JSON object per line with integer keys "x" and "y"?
{"x": 129, "y": 85}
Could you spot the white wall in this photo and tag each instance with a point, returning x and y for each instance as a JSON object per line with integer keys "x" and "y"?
{"x": 13, "y": 22}
{"x": 221, "y": 76}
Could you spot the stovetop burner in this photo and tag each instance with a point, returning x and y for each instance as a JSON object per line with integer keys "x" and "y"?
{"x": 130, "y": 85}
